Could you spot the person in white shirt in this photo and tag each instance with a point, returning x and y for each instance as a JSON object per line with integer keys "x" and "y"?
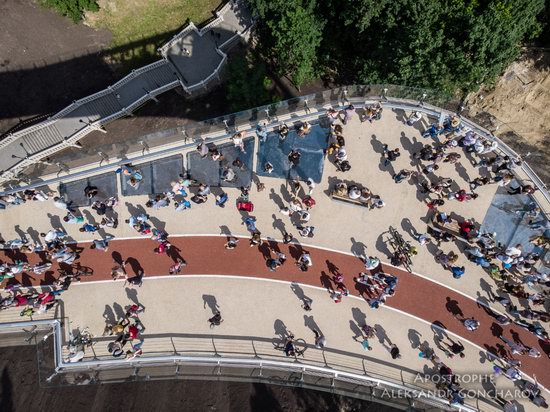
{"x": 371, "y": 263}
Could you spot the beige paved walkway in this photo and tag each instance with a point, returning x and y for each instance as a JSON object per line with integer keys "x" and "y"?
{"x": 261, "y": 309}
{"x": 338, "y": 225}
{"x": 257, "y": 305}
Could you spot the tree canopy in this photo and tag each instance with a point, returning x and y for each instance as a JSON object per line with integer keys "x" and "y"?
{"x": 442, "y": 44}
{"x": 74, "y": 9}
{"x": 292, "y": 34}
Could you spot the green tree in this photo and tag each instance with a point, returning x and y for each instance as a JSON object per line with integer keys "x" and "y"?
{"x": 247, "y": 85}
{"x": 448, "y": 45}
{"x": 291, "y": 33}
{"x": 74, "y": 9}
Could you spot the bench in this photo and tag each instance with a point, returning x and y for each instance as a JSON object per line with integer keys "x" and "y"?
{"x": 452, "y": 228}
{"x": 348, "y": 200}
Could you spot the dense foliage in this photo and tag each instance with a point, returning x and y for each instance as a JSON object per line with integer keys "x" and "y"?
{"x": 440, "y": 44}
{"x": 74, "y": 9}
{"x": 248, "y": 83}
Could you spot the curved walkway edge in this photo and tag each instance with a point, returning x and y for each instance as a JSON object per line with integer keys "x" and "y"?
{"x": 415, "y": 295}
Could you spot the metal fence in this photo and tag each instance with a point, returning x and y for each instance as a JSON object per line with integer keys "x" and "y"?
{"x": 78, "y": 164}
{"x": 234, "y": 358}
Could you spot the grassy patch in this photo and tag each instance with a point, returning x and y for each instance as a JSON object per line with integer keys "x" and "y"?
{"x": 140, "y": 26}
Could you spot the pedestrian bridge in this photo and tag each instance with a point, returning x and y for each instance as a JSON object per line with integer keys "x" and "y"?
{"x": 192, "y": 59}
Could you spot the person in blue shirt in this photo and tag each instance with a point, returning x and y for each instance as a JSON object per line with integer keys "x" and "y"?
{"x": 458, "y": 271}
{"x": 89, "y": 228}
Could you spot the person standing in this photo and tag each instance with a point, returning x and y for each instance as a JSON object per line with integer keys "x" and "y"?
{"x": 471, "y": 324}
{"x": 320, "y": 340}
{"x": 394, "y": 352}
{"x": 422, "y": 238}
{"x": 304, "y": 262}
{"x": 390, "y": 155}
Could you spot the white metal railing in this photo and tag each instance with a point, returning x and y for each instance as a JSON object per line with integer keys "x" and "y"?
{"x": 14, "y": 136}
{"x": 190, "y": 27}
{"x": 135, "y": 73}
{"x": 214, "y": 22}
{"x": 320, "y": 109}
{"x": 249, "y": 361}
{"x": 31, "y": 159}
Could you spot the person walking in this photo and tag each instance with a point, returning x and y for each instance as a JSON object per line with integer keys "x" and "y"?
{"x": 320, "y": 340}
{"x": 102, "y": 244}
{"x": 471, "y": 324}
{"x": 304, "y": 262}
{"x": 390, "y": 155}
{"x": 215, "y": 320}
{"x": 454, "y": 348}
{"x": 394, "y": 351}
{"x": 176, "y": 268}
{"x": 231, "y": 243}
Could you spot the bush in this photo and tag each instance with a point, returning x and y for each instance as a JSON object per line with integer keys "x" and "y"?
{"x": 247, "y": 84}
{"x": 74, "y": 9}
{"x": 448, "y": 45}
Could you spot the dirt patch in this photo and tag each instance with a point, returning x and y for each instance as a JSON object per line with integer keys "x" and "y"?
{"x": 20, "y": 391}
{"x": 516, "y": 109}
{"x": 46, "y": 61}
{"x": 146, "y": 25}
{"x": 32, "y": 35}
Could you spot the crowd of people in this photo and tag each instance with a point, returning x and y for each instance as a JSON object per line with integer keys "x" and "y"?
{"x": 517, "y": 273}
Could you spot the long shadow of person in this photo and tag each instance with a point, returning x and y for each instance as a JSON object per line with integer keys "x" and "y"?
{"x": 461, "y": 170}
{"x": 138, "y": 270}
{"x": 382, "y": 336}
{"x": 276, "y": 199}
{"x": 132, "y": 295}
{"x": 439, "y": 330}
{"x": 22, "y": 235}
{"x": 285, "y": 193}
{"x": 265, "y": 250}
{"x": 118, "y": 310}
{"x": 408, "y": 227}
{"x": 173, "y": 252}
{"x": 496, "y": 330}
{"x": 48, "y": 279}
{"x": 357, "y": 333}
{"x": 278, "y": 224}
{"x": 310, "y": 323}
{"x": 295, "y": 250}
{"x": 117, "y": 258}
{"x": 211, "y": 302}
{"x": 516, "y": 337}
{"x": 135, "y": 265}
{"x": 55, "y": 221}
{"x": 135, "y": 210}
{"x": 109, "y": 315}
{"x": 359, "y": 316}
{"x": 381, "y": 246}
{"x": 363, "y": 290}
{"x": 326, "y": 281}
{"x": 332, "y": 268}
{"x": 89, "y": 217}
{"x": 358, "y": 249}
{"x": 280, "y": 329}
{"x": 414, "y": 338}
{"x": 453, "y": 307}
{"x": 224, "y": 230}
{"x": 299, "y": 292}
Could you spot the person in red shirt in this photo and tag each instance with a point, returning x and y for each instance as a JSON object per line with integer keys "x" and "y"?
{"x": 466, "y": 228}
{"x": 133, "y": 332}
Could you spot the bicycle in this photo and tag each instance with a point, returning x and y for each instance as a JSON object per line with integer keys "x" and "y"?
{"x": 80, "y": 270}
{"x": 298, "y": 346}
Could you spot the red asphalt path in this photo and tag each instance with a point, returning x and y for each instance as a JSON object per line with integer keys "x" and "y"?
{"x": 206, "y": 255}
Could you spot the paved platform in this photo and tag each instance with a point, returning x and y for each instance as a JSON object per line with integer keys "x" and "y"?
{"x": 311, "y": 148}
{"x": 342, "y": 231}
{"x": 157, "y": 176}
